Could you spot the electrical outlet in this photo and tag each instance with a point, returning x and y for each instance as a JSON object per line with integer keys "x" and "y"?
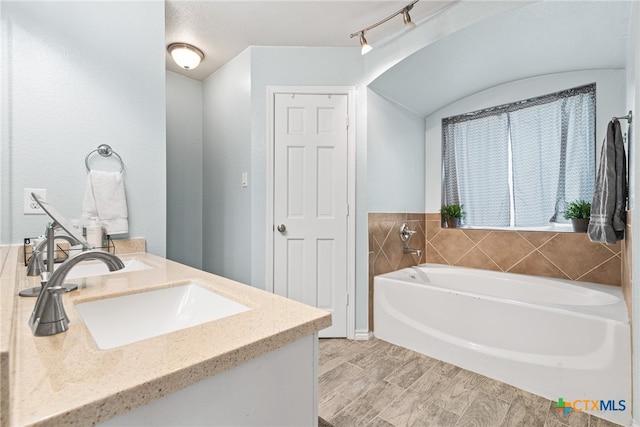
{"x": 245, "y": 180}
{"x": 31, "y": 207}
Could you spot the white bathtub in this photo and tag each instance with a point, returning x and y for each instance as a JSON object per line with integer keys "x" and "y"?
{"x": 554, "y": 338}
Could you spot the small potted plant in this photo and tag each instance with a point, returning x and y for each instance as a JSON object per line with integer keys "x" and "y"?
{"x": 579, "y": 212}
{"x": 452, "y": 214}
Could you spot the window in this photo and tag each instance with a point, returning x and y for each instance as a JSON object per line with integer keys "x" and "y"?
{"x": 517, "y": 165}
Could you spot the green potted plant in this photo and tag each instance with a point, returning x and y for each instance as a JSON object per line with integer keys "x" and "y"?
{"x": 579, "y": 212}
{"x": 452, "y": 214}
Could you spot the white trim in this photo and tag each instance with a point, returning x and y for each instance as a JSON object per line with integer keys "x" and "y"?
{"x": 363, "y": 335}
{"x": 350, "y": 91}
{"x": 316, "y": 370}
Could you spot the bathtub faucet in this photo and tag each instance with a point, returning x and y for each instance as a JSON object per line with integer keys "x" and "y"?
{"x": 412, "y": 251}
{"x": 405, "y": 235}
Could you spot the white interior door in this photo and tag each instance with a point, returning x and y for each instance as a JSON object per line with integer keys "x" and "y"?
{"x": 310, "y": 203}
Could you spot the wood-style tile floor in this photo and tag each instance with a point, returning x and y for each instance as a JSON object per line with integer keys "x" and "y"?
{"x": 375, "y": 383}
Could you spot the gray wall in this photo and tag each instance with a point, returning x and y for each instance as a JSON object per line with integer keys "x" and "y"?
{"x": 184, "y": 170}
{"x": 227, "y": 245}
{"x": 5, "y": 163}
{"x": 81, "y": 74}
{"x": 395, "y": 153}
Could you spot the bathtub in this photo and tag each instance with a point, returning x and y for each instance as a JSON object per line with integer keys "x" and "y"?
{"x": 554, "y": 338}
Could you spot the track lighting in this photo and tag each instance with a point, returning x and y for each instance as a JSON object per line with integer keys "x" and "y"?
{"x": 185, "y": 55}
{"x": 366, "y": 47}
{"x": 405, "y": 17}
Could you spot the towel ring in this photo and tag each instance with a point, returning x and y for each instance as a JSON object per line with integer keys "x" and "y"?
{"x": 105, "y": 151}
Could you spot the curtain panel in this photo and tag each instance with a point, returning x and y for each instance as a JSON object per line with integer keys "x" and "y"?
{"x": 519, "y": 164}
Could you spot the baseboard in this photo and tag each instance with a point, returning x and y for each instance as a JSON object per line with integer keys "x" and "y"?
{"x": 363, "y": 335}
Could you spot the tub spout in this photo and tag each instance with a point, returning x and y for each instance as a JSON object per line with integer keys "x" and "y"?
{"x": 412, "y": 251}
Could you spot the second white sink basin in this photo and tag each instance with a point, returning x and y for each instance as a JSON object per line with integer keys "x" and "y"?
{"x": 117, "y": 321}
{"x": 97, "y": 268}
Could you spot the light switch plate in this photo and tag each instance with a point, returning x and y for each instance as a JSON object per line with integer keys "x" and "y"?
{"x": 30, "y": 205}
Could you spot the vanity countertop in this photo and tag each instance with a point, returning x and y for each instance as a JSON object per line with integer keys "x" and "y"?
{"x": 66, "y": 379}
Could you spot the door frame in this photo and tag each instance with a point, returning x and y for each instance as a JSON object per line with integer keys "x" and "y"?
{"x": 350, "y": 91}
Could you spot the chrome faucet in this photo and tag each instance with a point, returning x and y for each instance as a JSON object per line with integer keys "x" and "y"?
{"x": 405, "y": 235}
{"x": 36, "y": 265}
{"x": 48, "y": 316}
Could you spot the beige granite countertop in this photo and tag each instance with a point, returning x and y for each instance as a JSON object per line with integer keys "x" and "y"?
{"x": 8, "y": 256}
{"x": 66, "y": 379}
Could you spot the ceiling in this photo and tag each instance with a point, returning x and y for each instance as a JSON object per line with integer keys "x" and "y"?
{"x": 538, "y": 39}
{"x": 223, "y": 29}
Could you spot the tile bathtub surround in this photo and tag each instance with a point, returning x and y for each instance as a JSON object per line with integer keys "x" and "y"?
{"x": 385, "y": 245}
{"x": 559, "y": 255}
{"x": 385, "y": 242}
{"x": 376, "y": 383}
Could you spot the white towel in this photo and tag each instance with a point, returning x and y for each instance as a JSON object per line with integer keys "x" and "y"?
{"x": 105, "y": 198}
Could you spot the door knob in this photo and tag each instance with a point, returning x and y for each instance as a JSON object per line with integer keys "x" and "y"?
{"x": 282, "y": 228}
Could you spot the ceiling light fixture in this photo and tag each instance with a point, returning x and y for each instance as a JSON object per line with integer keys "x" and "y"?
{"x": 366, "y": 47}
{"x": 185, "y": 55}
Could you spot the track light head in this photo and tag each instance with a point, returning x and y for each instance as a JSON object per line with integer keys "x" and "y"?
{"x": 366, "y": 47}
{"x": 407, "y": 18}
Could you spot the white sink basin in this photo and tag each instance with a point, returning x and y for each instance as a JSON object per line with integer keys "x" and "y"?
{"x": 117, "y": 321}
{"x": 97, "y": 268}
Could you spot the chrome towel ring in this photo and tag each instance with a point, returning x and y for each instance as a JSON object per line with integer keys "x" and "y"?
{"x": 105, "y": 151}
